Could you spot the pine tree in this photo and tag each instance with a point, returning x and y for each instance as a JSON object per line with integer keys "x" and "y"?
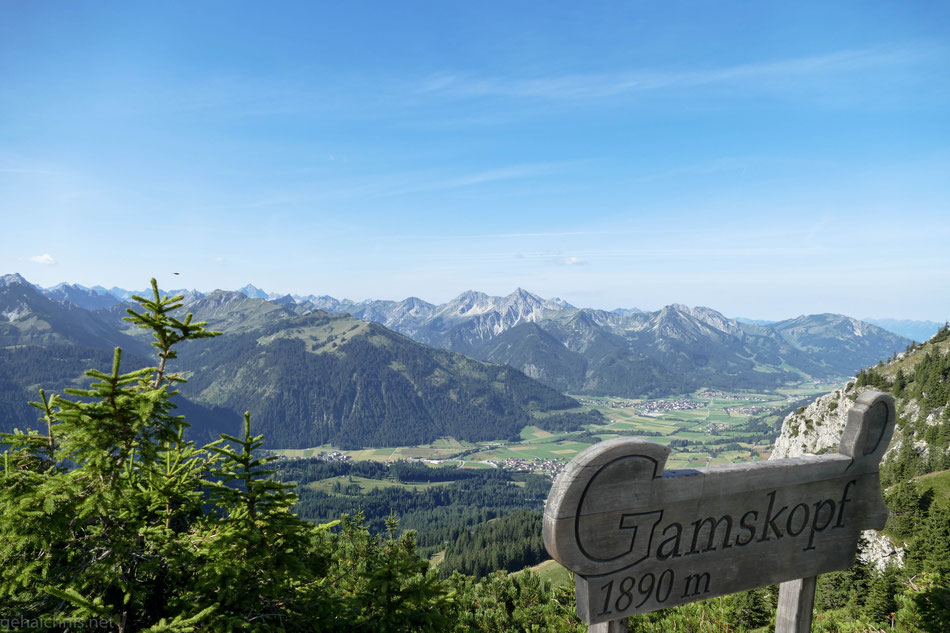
{"x": 90, "y": 509}
{"x": 904, "y": 502}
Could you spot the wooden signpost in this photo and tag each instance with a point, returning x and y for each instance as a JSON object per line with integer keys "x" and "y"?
{"x": 640, "y": 539}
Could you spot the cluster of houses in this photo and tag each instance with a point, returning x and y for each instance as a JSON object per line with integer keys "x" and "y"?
{"x": 730, "y": 396}
{"x": 621, "y": 404}
{"x": 662, "y": 406}
{"x": 547, "y": 466}
{"x": 333, "y": 456}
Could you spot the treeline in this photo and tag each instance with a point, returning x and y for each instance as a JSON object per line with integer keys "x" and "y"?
{"x": 928, "y": 383}
{"x": 510, "y": 543}
{"x": 439, "y": 514}
{"x": 928, "y": 388}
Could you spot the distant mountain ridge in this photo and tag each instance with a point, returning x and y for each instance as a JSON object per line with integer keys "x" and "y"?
{"x": 307, "y": 376}
{"x": 624, "y": 352}
{"x": 919, "y": 331}
{"x": 88, "y": 298}
{"x": 630, "y": 352}
{"x": 27, "y": 317}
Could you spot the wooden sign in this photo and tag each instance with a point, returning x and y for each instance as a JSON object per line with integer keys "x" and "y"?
{"x": 640, "y": 539}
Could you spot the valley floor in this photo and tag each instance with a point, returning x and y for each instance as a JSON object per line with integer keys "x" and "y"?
{"x": 704, "y": 428}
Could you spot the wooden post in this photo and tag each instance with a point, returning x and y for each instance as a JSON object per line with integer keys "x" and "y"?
{"x": 614, "y": 626}
{"x": 796, "y": 600}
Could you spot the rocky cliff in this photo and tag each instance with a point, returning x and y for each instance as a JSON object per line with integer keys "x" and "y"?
{"x": 918, "y": 380}
{"x": 817, "y": 428}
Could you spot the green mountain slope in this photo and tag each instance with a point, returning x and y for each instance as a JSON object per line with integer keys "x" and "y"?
{"x": 50, "y": 344}
{"x": 332, "y": 378}
{"x": 538, "y": 354}
{"x": 29, "y": 318}
{"x": 844, "y": 345}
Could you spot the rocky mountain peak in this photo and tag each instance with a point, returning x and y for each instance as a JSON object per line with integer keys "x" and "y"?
{"x": 222, "y": 297}
{"x": 415, "y": 307}
{"x": 324, "y": 302}
{"x": 627, "y": 311}
{"x": 468, "y": 303}
{"x": 13, "y": 279}
{"x": 523, "y": 301}
{"x": 252, "y": 292}
{"x": 677, "y": 321}
{"x": 285, "y": 300}
{"x": 523, "y": 295}
{"x": 671, "y": 316}
{"x": 583, "y": 317}
{"x": 716, "y": 320}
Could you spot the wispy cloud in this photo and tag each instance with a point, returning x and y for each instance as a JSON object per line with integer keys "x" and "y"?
{"x": 603, "y": 85}
{"x": 568, "y": 260}
{"x": 479, "y": 178}
{"x": 46, "y": 259}
{"x": 425, "y": 181}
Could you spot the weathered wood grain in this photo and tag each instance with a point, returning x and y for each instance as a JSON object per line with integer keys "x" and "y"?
{"x": 614, "y": 626}
{"x": 796, "y": 601}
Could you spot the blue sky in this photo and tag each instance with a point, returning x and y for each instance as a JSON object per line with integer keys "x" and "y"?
{"x": 763, "y": 159}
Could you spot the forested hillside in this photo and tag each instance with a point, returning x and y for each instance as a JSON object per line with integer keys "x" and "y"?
{"x": 483, "y": 520}
{"x": 324, "y": 378}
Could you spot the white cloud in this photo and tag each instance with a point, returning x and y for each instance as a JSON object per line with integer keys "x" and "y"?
{"x": 46, "y": 259}
{"x": 568, "y": 261}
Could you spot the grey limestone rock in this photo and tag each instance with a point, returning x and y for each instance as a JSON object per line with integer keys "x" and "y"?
{"x": 817, "y": 429}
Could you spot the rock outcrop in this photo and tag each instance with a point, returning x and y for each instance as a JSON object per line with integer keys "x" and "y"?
{"x": 816, "y": 428}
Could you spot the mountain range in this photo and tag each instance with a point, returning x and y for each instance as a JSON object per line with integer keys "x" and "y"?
{"x": 308, "y": 379}
{"x": 377, "y": 372}
{"x": 97, "y": 297}
{"x": 630, "y": 352}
